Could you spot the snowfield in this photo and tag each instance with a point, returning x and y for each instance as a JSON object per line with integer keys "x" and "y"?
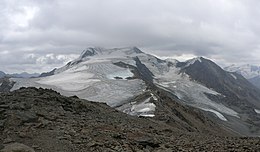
{"x": 70, "y": 81}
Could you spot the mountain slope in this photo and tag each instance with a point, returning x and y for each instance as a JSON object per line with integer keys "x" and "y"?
{"x": 129, "y": 80}
{"x": 211, "y": 75}
{"x": 236, "y": 92}
{"x": 44, "y": 120}
{"x": 255, "y": 81}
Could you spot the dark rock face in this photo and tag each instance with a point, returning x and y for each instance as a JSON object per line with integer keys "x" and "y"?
{"x": 43, "y": 120}
{"x": 212, "y": 76}
{"x": 6, "y": 84}
{"x": 237, "y": 92}
{"x": 88, "y": 52}
{"x": 136, "y": 50}
{"x": 140, "y": 71}
{"x": 144, "y": 72}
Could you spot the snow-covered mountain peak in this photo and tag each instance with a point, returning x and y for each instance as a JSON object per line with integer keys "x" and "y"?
{"x": 97, "y": 54}
{"x": 192, "y": 61}
{"x": 89, "y": 52}
{"x": 93, "y": 51}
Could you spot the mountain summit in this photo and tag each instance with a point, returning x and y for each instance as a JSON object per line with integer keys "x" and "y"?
{"x": 102, "y": 51}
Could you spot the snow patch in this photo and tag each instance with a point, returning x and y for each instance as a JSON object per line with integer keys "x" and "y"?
{"x": 257, "y": 111}
{"x": 154, "y": 97}
{"x": 147, "y": 115}
{"x": 218, "y": 114}
{"x": 143, "y": 108}
{"x": 233, "y": 76}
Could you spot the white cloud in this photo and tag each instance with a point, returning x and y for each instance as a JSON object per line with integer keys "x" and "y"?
{"x": 225, "y": 30}
{"x": 23, "y": 17}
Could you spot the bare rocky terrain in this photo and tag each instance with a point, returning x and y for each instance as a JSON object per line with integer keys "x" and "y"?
{"x": 42, "y": 120}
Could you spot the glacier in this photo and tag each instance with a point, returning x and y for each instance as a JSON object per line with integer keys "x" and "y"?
{"x": 95, "y": 76}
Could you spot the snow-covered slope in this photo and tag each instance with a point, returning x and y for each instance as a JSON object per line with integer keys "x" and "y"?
{"x": 168, "y": 76}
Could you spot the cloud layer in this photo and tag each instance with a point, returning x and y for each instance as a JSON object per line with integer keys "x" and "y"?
{"x": 40, "y": 35}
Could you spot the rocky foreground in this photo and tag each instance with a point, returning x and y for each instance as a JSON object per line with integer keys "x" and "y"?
{"x": 42, "y": 120}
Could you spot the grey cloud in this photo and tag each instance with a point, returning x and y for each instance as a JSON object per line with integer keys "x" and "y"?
{"x": 225, "y": 31}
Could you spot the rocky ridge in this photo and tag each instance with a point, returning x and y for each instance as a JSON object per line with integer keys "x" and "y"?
{"x": 43, "y": 120}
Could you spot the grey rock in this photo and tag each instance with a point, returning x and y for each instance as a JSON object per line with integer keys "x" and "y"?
{"x": 2, "y": 123}
{"x": 17, "y": 147}
{"x": 4, "y": 106}
{"x": 8, "y": 140}
{"x": 147, "y": 141}
{"x": 1, "y": 146}
{"x": 27, "y": 116}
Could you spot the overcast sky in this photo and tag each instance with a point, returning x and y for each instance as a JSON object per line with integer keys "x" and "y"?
{"x": 38, "y": 35}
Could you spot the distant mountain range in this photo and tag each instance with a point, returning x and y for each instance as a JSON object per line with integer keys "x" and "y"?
{"x": 143, "y": 85}
{"x": 19, "y": 75}
{"x": 250, "y": 72}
